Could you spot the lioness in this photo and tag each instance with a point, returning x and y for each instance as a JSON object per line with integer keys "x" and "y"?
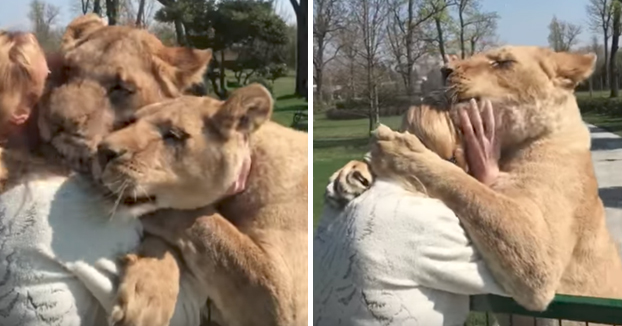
{"x": 253, "y": 263}
{"x": 541, "y": 227}
{"x": 56, "y": 224}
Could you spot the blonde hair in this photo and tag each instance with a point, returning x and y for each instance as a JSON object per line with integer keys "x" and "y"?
{"x": 18, "y": 54}
{"x": 434, "y": 127}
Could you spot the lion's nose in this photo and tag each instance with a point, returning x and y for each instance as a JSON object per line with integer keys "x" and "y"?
{"x": 107, "y": 153}
{"x": 446, "y": 71}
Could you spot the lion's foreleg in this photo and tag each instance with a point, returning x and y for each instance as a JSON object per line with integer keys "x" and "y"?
{"x": 238, "y": 270}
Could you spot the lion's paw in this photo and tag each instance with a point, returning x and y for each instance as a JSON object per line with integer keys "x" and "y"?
{"x": 147, "y": 294}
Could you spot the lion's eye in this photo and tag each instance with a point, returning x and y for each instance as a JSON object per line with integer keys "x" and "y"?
{"x": 121, "y": 88}
{"x": 174, "y": 135}
{"x": 503, "y": 64}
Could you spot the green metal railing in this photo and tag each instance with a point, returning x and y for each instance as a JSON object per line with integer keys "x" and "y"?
{"x": 300, "y": 120}
{"x": 563, "y": 307}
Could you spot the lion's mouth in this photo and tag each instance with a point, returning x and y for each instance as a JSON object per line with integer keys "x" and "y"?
{"x": 135, "y": 201}
{"x": 123, "y": 196}
{"x": 467, "y": 100}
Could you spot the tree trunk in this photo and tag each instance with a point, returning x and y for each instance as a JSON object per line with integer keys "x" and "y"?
{"x": 441, "y": 41}
{"x": 319, "y": 74}
{"x": 97, "y": 7}
{"x": 319, "y": 69}
{"x": 461, "y": 18}
{"x": 615, "y": 37}
{"x": 409, "y": 55}
{"x": 112, "y": 9}
{"x": 376, "y": 106}
{"x": 302, "y": 46}
{"x": 370, "y": 96}
{"x": 606, "y": 43}
{"x": 181, "y": 35}
{"x": 141, "y": 13}
{"x": 590, "y": 81}
{"x": 85, "y": 6}
{"x": 223, "y": 87}
{"x": 351, "y": 77}
{"x": 473, "y": 44}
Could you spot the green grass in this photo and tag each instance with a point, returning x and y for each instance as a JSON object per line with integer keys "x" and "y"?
{"x": 286, "y": 102}
{"x": 607, "y": 121}
{"x": 334, "y": 144}
{"x": 610, "y": 123}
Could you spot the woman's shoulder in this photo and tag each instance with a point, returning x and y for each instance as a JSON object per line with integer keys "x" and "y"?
{"x": 391, "y": 195}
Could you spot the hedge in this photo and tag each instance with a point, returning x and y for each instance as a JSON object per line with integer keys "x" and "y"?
{"x": 612, "y": 106}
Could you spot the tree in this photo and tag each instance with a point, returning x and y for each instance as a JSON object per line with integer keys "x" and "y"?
{"x": 482, "y": 33}
{"x": 327, "y": 18}
{"x": 248, "y": 30}
{"x": 348, "y": 41}
{"x": 300, "y": 8}
{"x": 463, "y": 7}
{"x": 43, "y": 17}
{"x": 474, "y": 26}
{"x": 370, "y": 17}
{"x": 615, "y": 37}
{"x": 563, "y": 35}
{"x": 112, "y": 11}
{"x": 600, "y": 13}
{"x": 405, "y": 37}
{"x": 441, "y": 20}
{"x": 173, "y": 11}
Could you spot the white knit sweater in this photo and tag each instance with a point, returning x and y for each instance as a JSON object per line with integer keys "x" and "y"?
{"x": 58, "y": 253}
{"x": 394, "y": 258}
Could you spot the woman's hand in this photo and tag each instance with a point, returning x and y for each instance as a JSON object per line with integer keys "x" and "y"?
{"x": 481, "y": 147}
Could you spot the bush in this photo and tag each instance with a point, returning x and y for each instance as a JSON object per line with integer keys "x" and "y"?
{"x": 267, "y": 84}
{"x": 336, "y": 114}
{"x": 600, "y": 105}
{"x": 319, "y": 107}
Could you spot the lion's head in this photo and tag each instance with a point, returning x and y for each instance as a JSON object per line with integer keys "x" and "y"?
{"x": 183, "y": 153}
{"x": 530, "y": 87}
{"x": 108, "y": 73}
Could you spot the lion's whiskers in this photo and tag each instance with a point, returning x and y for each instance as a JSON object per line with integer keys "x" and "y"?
{"x": 120, "y": 196}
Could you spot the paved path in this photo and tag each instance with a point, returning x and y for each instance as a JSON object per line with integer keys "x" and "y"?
{"x": 607, "y": 157}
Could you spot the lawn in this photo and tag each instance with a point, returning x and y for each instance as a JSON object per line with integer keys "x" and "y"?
{"x": 286, "y": 102}
{"x": 609, "y": 122}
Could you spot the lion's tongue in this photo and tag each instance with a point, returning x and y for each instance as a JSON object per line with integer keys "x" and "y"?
{"x": 240, "y": 183}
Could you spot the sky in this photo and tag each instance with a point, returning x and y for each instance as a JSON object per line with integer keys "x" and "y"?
{"x": 14, "y": 13}
{"x": 522, "y": 22}
{"x": 525, "y": 22}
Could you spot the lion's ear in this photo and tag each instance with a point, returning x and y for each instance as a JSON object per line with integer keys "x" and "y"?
{"x": 189, "y": 65}
{"x": 573, "y": 68}
{"x": 245, "y": 111}
{"x": 79, "y": 29}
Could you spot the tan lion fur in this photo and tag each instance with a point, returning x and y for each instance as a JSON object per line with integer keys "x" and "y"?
{"x": 541, "y": 227}
{"x": 108, "y": 72}
{"x": 252, "y": 261}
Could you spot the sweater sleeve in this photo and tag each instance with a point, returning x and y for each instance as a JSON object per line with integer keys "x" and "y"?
{"x": 443, "y": 257}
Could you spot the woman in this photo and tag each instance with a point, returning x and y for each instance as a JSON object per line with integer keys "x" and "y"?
{"x": 398, "y": 257}
{"x": 55, "y": 227}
